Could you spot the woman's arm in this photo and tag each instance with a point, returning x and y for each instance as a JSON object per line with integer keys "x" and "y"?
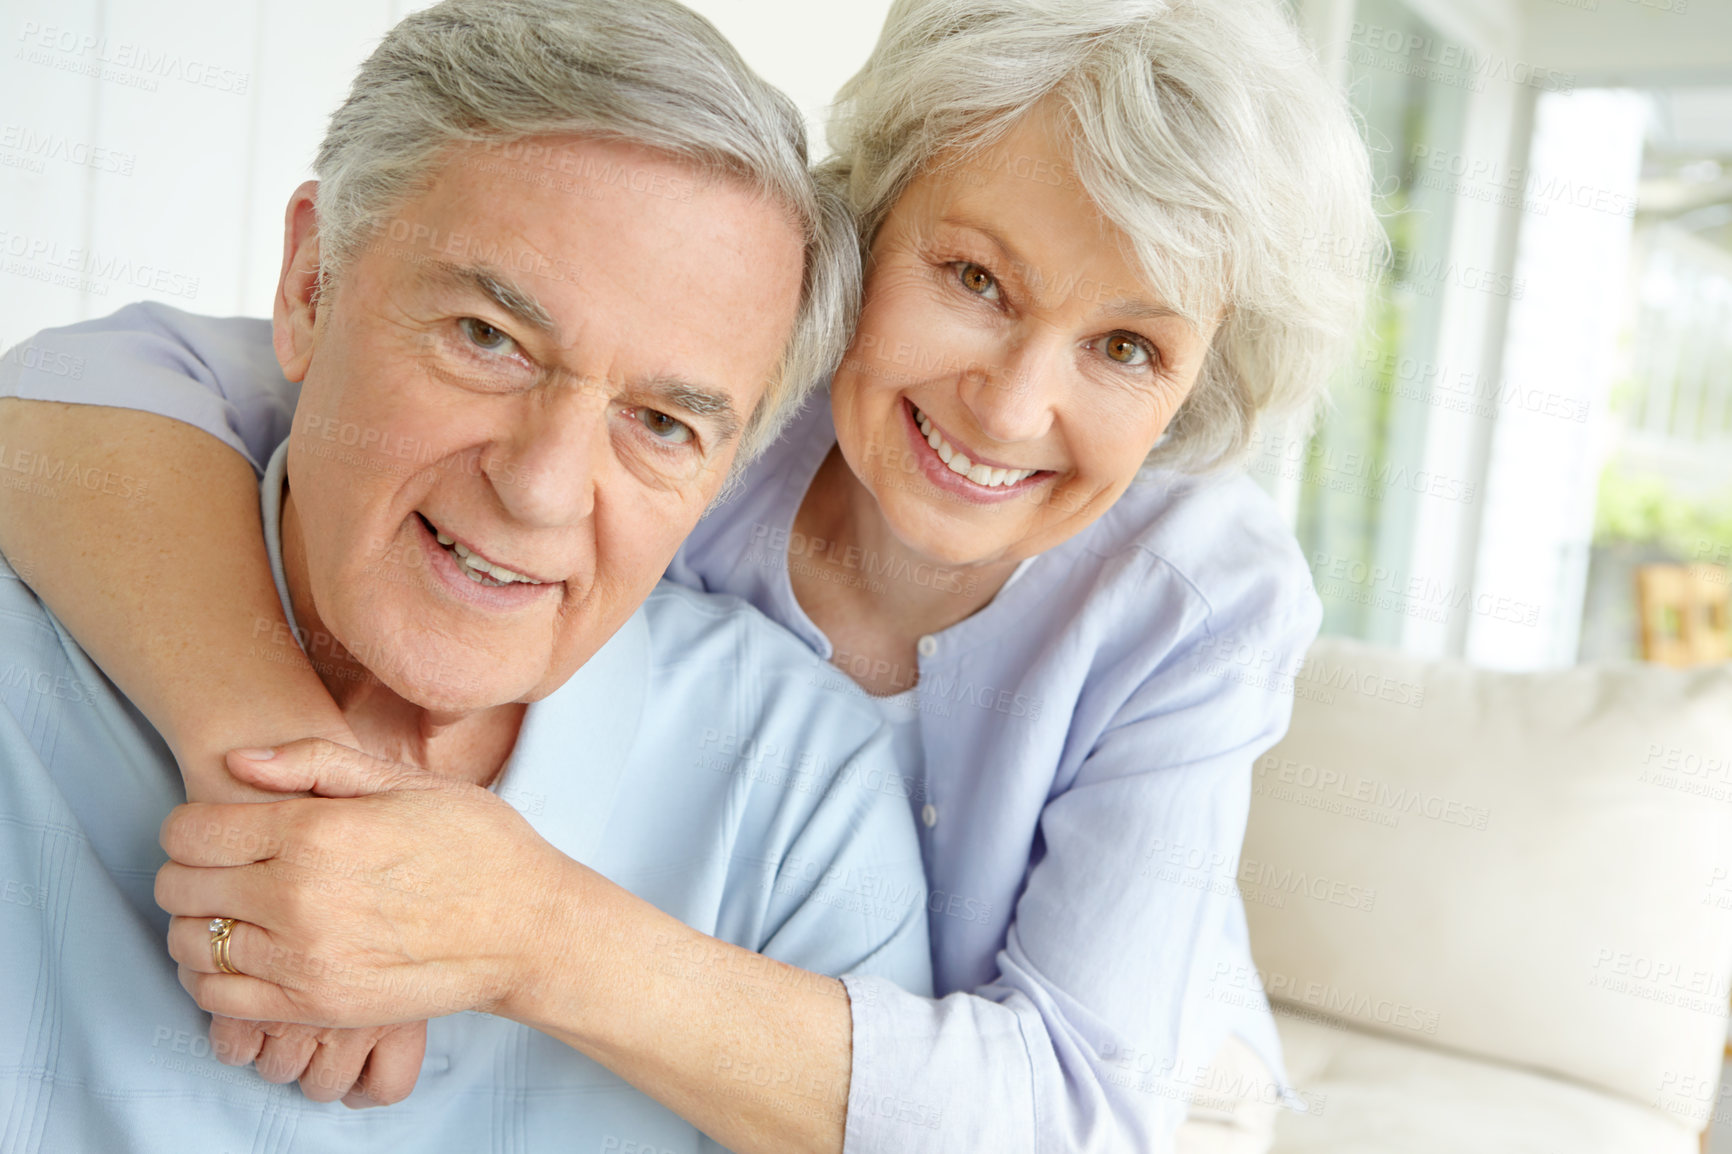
{"x": 754, "y": 1052}
{"x": 142, "y": 535}
{"x": 1113, "y": 996}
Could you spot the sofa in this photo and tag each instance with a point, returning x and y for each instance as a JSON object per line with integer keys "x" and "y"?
{"x": 1492, "y": 911}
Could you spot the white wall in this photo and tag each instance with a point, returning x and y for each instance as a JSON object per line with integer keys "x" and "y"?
{"x": 807, "y": 48}
{"x": 147, "y": 147}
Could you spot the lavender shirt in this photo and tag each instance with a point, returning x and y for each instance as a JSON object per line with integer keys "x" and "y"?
{"x": 1086, "y": 745}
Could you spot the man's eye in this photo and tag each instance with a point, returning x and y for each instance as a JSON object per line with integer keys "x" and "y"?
{"x": 976, "y": 279}
{"x": 484, "y": 336}
{"x": 1127, "y": 349}
{"x": 664, "y": 427}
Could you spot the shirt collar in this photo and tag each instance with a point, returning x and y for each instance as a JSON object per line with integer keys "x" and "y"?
{"x": 566, "y": 797}
{"x": 571, "y": 753}
{"x": 276, "y": 479}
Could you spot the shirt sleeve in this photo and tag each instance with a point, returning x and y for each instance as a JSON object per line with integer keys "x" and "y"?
{"x": 218, "y": 374}
{"x": 1109, "y": 998}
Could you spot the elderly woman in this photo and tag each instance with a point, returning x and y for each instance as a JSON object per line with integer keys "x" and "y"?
{"x": 1098, "y": 240}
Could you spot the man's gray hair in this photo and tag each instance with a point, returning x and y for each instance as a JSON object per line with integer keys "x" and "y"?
{"x": 647, "y": 72}
{"x": 1202, "y": 128}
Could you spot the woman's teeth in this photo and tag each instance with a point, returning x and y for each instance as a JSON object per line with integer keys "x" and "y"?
{"x": 478, "y": 568}
{"x": 959, "y": 464}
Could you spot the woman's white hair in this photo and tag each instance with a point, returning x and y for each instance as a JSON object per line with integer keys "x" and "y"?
{"x": 649, "y": 72}
{"x": 1204, "y": 129}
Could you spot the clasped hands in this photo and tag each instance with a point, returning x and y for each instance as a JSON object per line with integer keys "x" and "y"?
{"x": 388, "y": 897}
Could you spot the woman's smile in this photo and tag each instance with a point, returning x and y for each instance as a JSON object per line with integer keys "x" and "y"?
{"x": 956, "y": 469}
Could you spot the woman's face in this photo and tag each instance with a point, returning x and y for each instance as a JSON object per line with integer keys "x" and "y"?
{"x": 1011, "y": 369}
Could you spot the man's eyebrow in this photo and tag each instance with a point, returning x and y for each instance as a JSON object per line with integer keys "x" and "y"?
{"x": 495, "y": 288}
{"x": 676, "y": 392}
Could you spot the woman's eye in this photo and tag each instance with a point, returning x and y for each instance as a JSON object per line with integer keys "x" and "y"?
{"x": 484, "y": 336}
{"x": 1126, "y": 349}
{"x": 976, "y": 280}
{"x": 664, "y": 427}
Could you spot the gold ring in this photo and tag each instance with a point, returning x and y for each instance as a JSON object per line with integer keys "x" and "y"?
{"x": 220, "y": 929}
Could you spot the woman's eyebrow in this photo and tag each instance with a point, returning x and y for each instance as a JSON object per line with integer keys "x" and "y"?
{"x": 1119, "y": 307}
{"x": 1006, "y": 253}
{"x": 1140, "y": 310}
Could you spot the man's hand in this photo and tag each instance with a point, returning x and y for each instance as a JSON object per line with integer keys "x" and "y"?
{"x": 391, "y": 896}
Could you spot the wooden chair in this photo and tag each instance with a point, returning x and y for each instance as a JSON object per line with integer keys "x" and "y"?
{"x": 1686, "y": 613}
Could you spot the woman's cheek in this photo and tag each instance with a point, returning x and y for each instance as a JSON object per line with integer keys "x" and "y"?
{"x": 916, "y": 336}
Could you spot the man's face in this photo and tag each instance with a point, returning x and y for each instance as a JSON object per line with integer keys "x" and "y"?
{"x": 517, "y": 402}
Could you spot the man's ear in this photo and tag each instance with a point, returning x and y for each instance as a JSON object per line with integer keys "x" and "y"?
{"x": 294, "y": 314}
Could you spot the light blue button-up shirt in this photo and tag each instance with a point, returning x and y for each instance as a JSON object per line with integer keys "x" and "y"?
{"x": 1081, "y": 773}
{"x": 657, "y": 764}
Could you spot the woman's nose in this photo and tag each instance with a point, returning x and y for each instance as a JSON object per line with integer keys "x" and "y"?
{"x": 1013, "y": 399}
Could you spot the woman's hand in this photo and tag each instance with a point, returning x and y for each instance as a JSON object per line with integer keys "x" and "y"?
{"x": 392, "y": 896}
{"x": 376, "y": 1066}
{"x": 369, "y": 1066}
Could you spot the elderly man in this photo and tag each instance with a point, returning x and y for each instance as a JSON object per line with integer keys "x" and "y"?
{"x": 563, "y": 261}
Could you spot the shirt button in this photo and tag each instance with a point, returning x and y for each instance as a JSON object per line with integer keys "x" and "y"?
{"x": 929, "y": 815}
{"x": 927, "y": 646}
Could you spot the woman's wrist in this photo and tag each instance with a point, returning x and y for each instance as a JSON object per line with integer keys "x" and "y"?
{"x": 593, "y": 953}
{"x": 207, "y": 779}
{"x": 201, "y": 749}
{"x": 684, "y": 1016}
{"x": 555, "y": 977}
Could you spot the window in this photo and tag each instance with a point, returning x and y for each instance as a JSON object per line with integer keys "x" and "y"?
{"x": 1356, "y": 516}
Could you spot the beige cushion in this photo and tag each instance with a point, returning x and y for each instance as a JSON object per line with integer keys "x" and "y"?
{"x": 1371, "y": 1095}
{"x": 1509, "y": 866}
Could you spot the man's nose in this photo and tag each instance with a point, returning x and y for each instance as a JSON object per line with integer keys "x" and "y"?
{"x": 546, "y": 472}
{"x": 1012, "y": 396}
